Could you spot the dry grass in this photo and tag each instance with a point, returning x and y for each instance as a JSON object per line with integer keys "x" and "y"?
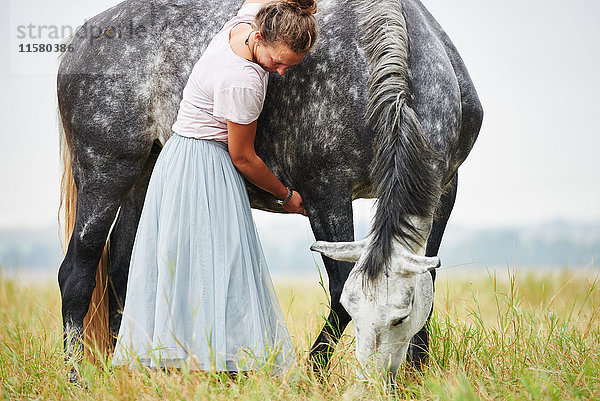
{"x": 494, "y": 336}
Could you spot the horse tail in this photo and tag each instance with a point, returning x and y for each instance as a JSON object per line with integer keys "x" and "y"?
{"x": 96, "y": 330}
{"x": 403, "y": 166}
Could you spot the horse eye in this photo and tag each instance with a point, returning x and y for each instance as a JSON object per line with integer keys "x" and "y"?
{"x": 399, "y": 321}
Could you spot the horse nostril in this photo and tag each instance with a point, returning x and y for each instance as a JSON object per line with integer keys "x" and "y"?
{"x": 399, "y": 321}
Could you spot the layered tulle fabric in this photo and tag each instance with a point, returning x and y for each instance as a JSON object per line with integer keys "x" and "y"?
{"x": 199, "y": 291}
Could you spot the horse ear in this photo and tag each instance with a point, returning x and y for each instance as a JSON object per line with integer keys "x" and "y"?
{"x": 417, "y": 264}
{"x": 344, "y": 251}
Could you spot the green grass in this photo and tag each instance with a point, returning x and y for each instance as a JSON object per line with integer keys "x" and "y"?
{"x": 529, "y": 336}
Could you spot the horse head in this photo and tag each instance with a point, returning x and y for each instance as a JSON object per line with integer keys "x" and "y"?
{"x": 390, "y": 309}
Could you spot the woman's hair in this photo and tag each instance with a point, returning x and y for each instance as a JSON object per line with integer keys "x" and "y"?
{"x": 290, "y": 22}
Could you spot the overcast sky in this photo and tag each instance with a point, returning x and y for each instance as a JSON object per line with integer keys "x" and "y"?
{"x": 535, "y": 65}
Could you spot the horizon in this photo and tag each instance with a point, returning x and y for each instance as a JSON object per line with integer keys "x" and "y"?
{"x": 554, "y": 245}
{"x": 260, "y": 221}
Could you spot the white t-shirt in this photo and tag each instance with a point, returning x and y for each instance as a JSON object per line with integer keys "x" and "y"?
{"x": 222, "y": 86}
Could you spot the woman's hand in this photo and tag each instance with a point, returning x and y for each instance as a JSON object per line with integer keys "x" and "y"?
{"x": 244, "y": 158}
{"x": 295, "y": 204}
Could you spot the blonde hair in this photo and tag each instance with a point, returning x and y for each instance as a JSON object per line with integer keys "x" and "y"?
{"x": 291, "y": 22}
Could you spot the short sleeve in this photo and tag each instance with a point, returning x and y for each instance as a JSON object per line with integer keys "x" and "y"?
{"x": 239, "y": 105}
{"x": 249, "y": 10}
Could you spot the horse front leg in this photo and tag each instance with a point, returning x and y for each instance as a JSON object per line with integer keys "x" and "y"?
{"x": 330, "y": 215}
{"x": 418, "y": 351}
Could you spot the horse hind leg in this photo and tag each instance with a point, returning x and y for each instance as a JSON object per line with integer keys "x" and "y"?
{"x": 77, "y": 273}
{"x": 101, "y": 187}
{"x": 121, "y": 242}
{"x": 419, "y": 345}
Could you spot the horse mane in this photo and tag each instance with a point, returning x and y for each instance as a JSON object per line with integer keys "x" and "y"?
{"x": 403, "y": 166}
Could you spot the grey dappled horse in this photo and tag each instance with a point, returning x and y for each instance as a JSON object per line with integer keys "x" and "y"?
{"x": 382, "y": 107}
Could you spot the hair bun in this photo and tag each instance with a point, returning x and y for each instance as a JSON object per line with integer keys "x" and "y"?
{"x": 304, "y": 7}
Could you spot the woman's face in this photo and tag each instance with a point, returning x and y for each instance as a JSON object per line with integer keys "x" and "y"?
{"x": 276, "y": 58}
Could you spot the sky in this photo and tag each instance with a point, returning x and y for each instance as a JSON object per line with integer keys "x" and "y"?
{"x": 534, "y": 64}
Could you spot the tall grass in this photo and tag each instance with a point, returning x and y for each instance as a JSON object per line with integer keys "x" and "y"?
{"x": 493, "y": 336}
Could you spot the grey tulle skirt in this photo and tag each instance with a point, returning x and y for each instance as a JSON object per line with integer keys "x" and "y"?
{"x": 199, "y": 292}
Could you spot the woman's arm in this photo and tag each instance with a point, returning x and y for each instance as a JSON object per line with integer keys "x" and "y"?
{"x": 242, "y": 153}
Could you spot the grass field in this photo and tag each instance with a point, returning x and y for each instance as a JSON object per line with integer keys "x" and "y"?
{"x": 494, "y": 336}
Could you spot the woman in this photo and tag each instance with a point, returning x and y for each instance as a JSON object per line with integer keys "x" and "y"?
{"x": 199, "y": 292}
